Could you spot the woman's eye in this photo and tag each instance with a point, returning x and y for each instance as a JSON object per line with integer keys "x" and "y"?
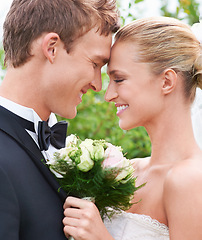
{"x": 118, "y": 80}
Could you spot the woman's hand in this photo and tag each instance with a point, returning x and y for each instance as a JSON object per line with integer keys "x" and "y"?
{"x": 82, "y": 220}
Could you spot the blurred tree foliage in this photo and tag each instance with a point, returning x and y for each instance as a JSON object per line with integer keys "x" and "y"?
{"x": 2, "y": 63}
{"x": 185, "y": 10}
{"x": 96, "y": 118}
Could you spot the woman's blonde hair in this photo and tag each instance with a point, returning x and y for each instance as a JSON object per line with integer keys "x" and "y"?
{"x": 164, "y": 43}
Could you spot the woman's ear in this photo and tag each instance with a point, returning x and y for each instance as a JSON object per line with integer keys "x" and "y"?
{"x": 49, "y": 46}
{"x": 169, "y": 81}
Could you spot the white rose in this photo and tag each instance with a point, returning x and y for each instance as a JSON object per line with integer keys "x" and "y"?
{"x": 71, "y": 139}
{"x": 126, "y": 169}
{"x": 88, "y": 144}
{"x": 86, "y": 163}
{"x": 64, "y": 153}
{"x": 60, "y": 154}
{"x": 98, "y": 152}
{"x": 51, "y": 161}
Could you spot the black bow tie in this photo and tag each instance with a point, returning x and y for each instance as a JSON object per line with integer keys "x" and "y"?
{"x": 54, "y": 135}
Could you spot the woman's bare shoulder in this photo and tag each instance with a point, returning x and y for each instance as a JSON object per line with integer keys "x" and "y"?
{"x": 183, "y": 182}
{"x": 182, "y": 199}
{"x": 186, "y": 171}
{"x": 140, "y": 163}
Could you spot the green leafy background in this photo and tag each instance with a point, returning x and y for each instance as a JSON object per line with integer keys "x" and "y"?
{"x": 96, "y": 118}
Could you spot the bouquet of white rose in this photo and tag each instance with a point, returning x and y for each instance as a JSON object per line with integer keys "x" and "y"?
{"x": 95, "y": 169}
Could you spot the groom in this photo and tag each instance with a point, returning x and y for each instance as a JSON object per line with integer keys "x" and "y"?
{"x": 54, "y": 52}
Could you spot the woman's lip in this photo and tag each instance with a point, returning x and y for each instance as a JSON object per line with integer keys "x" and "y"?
{"x": 121, "y": 108}
{"x": 118, "y": 104}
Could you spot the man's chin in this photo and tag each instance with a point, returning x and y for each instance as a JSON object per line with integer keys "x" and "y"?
{"x": 69, "y": 114}
{"x": 72, "y": 114}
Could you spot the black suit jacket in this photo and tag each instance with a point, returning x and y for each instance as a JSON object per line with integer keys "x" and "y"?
{"x": 30, "y": 206}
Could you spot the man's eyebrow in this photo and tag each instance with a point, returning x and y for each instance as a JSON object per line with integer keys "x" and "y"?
{"x": 101, "y": 58}
{"x": 105, "y": 60}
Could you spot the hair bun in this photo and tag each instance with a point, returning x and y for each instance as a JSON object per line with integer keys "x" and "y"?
{"x": 197, "y": 30}
{"x": 198, "y": 71}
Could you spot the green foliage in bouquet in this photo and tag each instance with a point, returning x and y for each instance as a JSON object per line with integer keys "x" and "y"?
{"x": 98, "y": 170}
{"x": 82, "y": 185}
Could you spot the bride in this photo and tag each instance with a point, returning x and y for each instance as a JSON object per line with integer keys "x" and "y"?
{"x": 155, "y": 68}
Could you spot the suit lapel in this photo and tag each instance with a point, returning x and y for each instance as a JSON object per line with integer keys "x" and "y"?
{"x": 10, "y": 126}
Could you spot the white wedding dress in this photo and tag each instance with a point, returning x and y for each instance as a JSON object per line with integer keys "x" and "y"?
{"x": 130, "y": 226}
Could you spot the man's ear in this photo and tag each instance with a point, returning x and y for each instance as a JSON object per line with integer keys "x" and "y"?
{"x": 49, "y": 46}
{"x": 169, "y": 81}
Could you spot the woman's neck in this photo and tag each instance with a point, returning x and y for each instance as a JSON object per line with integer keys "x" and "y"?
{"x": 172, "y": 139}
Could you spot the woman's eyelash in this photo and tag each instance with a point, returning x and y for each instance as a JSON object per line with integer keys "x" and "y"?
{"x": 118, "y": 80}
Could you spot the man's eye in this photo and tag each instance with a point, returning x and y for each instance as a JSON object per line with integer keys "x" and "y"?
{"x": 95, "y": 64}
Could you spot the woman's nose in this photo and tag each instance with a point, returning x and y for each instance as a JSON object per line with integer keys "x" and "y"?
{"x": 111, "y": 93}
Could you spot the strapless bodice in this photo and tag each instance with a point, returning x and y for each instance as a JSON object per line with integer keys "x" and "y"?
{"x": 130, "y": 226}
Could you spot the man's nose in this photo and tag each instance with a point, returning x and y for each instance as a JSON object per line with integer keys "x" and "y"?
{"x": 96, "y": 84}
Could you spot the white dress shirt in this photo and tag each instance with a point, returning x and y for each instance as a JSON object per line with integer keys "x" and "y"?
{"x": 32, "y": 116}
